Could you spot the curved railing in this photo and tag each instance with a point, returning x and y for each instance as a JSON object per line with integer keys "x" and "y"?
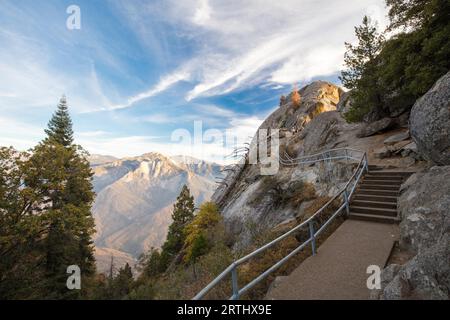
{"x": 328, "y": 155}
{"x": 345, "y": 193}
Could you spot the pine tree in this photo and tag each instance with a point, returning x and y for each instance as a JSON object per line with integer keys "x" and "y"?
{"x": 361, "y": 72}
{"x": 416, "y": 14}
{"x": 58, "y": 169}
{"x": 357, "y": 58}
{"x": 45, "y": 216}
{"x": 183, "y": 213}
{"x": 150, "y": 264}
{"x": 60, "y": 125}
{"x": 22, "y": 226}
{"x": 120, "y": 285}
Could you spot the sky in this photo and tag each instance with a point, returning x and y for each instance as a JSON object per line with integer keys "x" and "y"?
{"x": 170, "y": 76}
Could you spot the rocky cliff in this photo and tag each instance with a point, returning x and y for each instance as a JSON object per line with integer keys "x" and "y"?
{"x": 424, "y": 206}
{"x": 251, "y": 202}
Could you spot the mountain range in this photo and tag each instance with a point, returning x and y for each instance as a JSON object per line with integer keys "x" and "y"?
{"x": 135, "y": 197}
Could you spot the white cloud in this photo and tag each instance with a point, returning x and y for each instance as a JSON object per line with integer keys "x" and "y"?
{"x": 165, "y": 83}
{"x": 325, "y": 60}
{"x": 239, "y": 44}
{"x": 202, "y": 13}
{"x": 243, "y": 43}
{"x": 207, "y": 113}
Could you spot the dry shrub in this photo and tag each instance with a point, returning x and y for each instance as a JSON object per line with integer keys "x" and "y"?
{"x": 296, "y": 99}
{"x": 184, "y": 283}
{"x": 313, "y": 207}
{"x": 293, "y": 195}
{"x": 304, "y": 192}
{"x": 293, "y": 146}
{"x": 264, "y": 261}
{"x": 269, "y": 185}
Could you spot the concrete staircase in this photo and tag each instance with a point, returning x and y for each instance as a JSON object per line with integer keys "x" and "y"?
{"x": 375, "y": 198}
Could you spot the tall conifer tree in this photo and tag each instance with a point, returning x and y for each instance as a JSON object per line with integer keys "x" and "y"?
{"x": 60, "y": 170}
{"x": 361, "y": 72}
{"x": 183, "y": 213}
{"x": 60, "y": 125}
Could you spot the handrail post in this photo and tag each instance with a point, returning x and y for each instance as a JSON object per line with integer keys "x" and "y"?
{"x": 347, "y": 207}
{"x": 366, "y": 163}
{"x": 346, "y": 155}
{"x": 234, "y": 283}
{"x": 312, "y": 237}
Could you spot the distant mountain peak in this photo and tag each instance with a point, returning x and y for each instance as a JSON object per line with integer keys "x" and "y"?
{"x": 135, "y": 197}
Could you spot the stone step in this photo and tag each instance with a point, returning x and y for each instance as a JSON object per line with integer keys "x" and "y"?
{"x": 375, "y": 167}
{"x": 365, "y": 197}
{"x": 390, "y": 173}
{"x": 381, "y": 187}
{"x": 375, "y": 218}
{"x": 374, "y": 192}
{"x": 382, "y": 182}
{"x": 374, "y": 204}
{"x": 374, "y": 211}
{"x": 381, "y": 178}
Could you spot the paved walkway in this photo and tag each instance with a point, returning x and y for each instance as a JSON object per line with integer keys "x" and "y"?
{"x": 338, "y": 270}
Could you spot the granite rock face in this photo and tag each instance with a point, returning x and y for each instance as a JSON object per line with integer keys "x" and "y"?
{"x": 430, "y": 123}
{"x": 424, "y": 207}
{"x": 250, "y": 201}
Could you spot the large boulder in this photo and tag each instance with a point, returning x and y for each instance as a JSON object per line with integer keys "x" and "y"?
{"x": 394, "y": 139}
{"x": 322, "y": 132}
{"x": 424, "y": 207}
{"x": 370, "y": 129}
{"x": 430, "y": 122}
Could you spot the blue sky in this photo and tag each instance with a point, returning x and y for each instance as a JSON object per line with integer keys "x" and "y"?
{"x": 138, "y": 70}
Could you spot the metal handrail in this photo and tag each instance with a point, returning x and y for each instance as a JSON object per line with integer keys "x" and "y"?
{"x": 347, "y": 194}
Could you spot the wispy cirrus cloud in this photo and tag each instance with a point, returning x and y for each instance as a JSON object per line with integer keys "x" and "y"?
{"x": 165, "y": 83}
{"x": 240, "y": 44}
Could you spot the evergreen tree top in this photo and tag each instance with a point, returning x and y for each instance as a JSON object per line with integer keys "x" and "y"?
{"x": 184, "y": 207}
{"x": 60, "y": 125}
